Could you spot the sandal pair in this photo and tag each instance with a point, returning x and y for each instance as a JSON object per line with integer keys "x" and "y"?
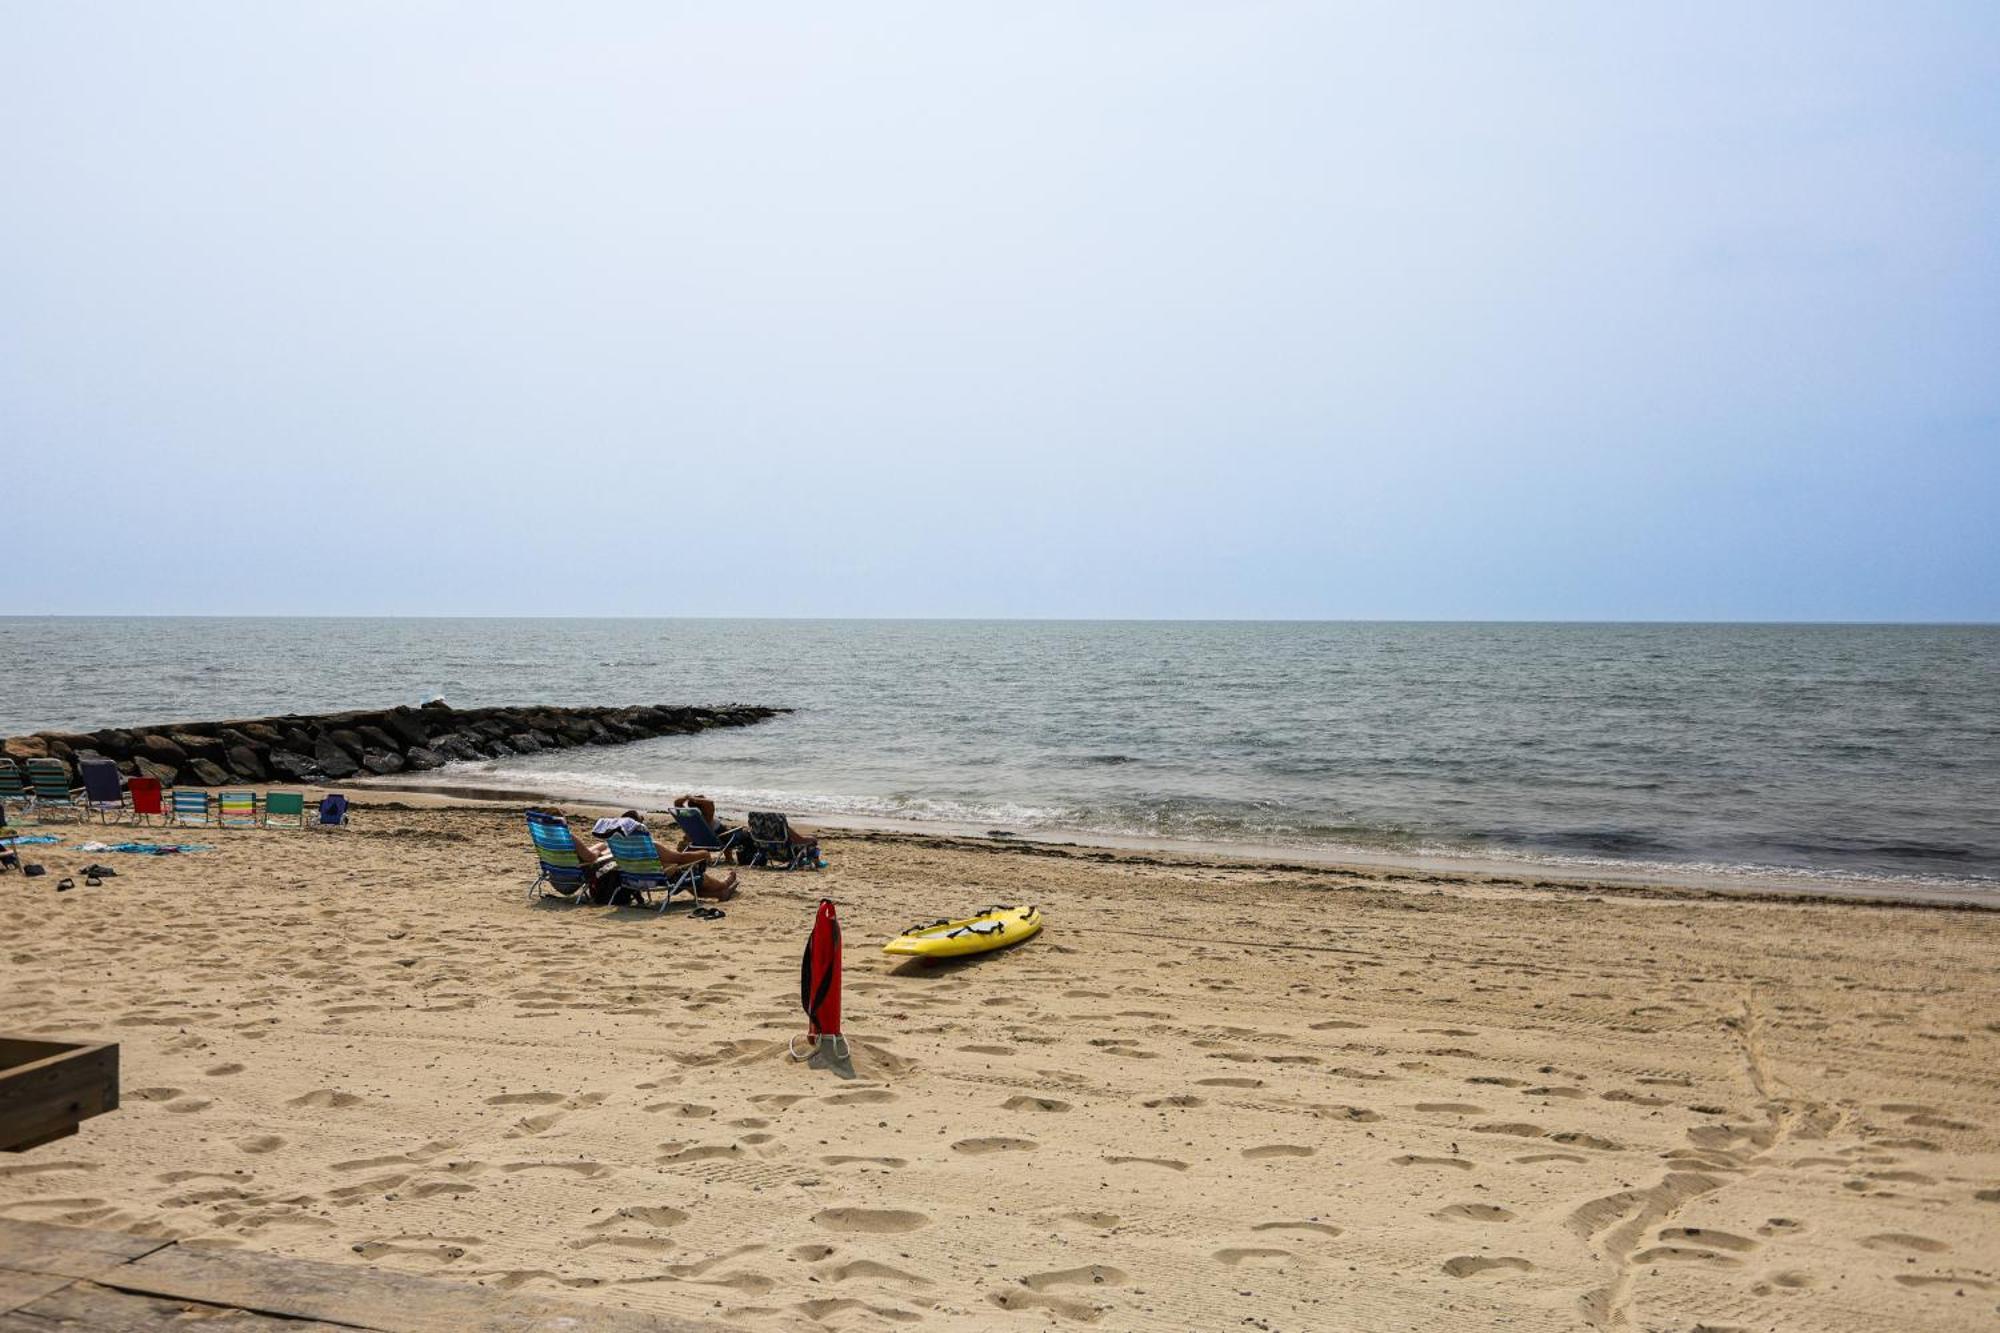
{"x": 707, "y": 914}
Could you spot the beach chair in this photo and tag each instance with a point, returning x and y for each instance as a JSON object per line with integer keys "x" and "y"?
{"x": 332, "y": 811}
{"x": 103, "y": 789}
{"x": 701, "y": 835}
{"x": 48, "y": 781}
{"x": 13, "y": 787}
{"x": 771, "y": 835}
{"x": 286, "y": 805}
{"x": 144, "y": 794}
{"x": 640, "y": 870}
{"x": 236, "y": 809}
{"x": 557, "y": 854}
{"x": 190, "y": 806}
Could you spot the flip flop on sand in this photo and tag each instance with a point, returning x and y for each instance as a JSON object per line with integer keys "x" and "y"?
{"x": 66, "y": 885}
{"x": 707, "y": 914}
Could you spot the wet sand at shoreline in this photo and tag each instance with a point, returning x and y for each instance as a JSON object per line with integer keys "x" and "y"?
{"x": 1210, "y": 1095}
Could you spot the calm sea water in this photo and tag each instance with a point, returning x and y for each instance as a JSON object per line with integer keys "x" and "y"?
{"x": 1827, "y": 752}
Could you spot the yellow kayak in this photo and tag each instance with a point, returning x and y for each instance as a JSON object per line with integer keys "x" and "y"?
{"x": 994, "y": 928}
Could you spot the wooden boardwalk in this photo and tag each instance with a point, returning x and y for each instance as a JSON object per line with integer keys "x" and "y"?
{"x": 67, "y": 1278}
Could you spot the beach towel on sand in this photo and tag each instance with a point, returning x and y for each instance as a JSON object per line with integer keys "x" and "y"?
{"x": 146, "y": 848}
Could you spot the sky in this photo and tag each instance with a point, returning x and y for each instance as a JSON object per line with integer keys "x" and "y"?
{"x": 1322, "y": 310}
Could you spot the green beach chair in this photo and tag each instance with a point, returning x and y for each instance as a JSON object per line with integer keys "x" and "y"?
{"x": 285, "y": 805}
{"x": 236, "y": 809}
{"x": 49, "y": 779}
{"x": 190, "y": 806}
{"x": 13, "y": 787}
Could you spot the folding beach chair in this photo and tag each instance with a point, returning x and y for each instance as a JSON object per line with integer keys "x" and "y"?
{"x": 49, "y": 781}
{"x": 236, "y": 809}
{"x": 561, "y": 864}
{"x": 190, "y": 806}
{"x": 13, "y": 787}
{"x": 332, "y": 811}
{"x": 771, "y": 834}
{"x": 286, "y": 805}
{"x": 146, "y": 800}
{"x": 103, "y": 789}
{"x": 701, "y": 835}
{"x": 641, "y": 872}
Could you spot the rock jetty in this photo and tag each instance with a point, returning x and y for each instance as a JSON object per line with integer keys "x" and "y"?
{"x": 331, "y": 746}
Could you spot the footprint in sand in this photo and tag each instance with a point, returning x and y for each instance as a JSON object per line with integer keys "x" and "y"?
{"x": 1021, "y": 1299}
{"x": 812, "y": 1254}
{"x": 1228, "y": 1082}
{"x": 153, "y": 1094}
{"x": 1102, "y": 1221}
{"x": 1170, "y": 1163}
{"x": 1253, "y": 1256}
{"x": 869, "y": 1269}
{"x": 1473, "y": 1212}
{"x": 848, "y": 1159}
{"x": 1944, "y": 1280}
{"x": 1709, "y": 1237}
{"x": 1179, "y": 1099}
{"x": 527, "y": 1099}
{"x": 1516, "y": 1128}
{"x": 1034, "y": 1104}
{"x": 1904, "y": 1242}
{"x": 981, "y": 1146}
{"x": 1317, "y": 1228}
{"x": 188, "y": 1105}
{"x": 1332, "y": 1023}
{"x": 680, "y": 1110}
{"x": 1090, "y": 1275}
{"x": 223, "y": 1071}
{"x": 1470, "y": 1265}
{"x": 1412, "y": 1159}
{"x": 1268, "y": 1150}
{"x": 1682, "y": 1254}
{"x": 1448, "y": 1108}
{"x": 860, "y": 1097}
{"x": 260, "y": 1143}
{"x": 870, "y": 1221}
{"x": 326, "y": 1098}
{"x": 988, "y": 1050}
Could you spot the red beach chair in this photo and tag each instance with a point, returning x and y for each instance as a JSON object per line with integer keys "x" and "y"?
{"x": 144, "y": 794}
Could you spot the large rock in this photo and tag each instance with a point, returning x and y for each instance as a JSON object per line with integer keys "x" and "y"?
{"x": 164, "y": 774}
{"x": 160, "y": 750}
{"x": 208, "y": 773}
{"x": 453, "y": 746}
{"x": 409, "y": 725}
{"x": 243, "y": 762}
{"x": 263, "y": 733}
{"x": 346, "y": 740}
{"x": 197, "y": 745}
{"x": 382, "y": 761}
{"x": 420, "y": 758}
{"x": 524, "y": 742}
{"x": 292, "y": 765}
{"x": 23, "y": 748}
{"x": 334, "y": 761}
{"x": 374, "y": 738}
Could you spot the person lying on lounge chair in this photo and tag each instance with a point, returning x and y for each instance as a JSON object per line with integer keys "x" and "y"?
{"x": 720, "y": 887}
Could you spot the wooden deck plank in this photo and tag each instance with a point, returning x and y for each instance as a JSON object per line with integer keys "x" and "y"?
{"x": 370, "y": 1298}
{"x": 81, "y": 1306}
{"x": 19, "y": 1289}
{"x": 37, "y": 1247}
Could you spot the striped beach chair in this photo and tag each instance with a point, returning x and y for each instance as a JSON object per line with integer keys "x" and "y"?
{"x": 560, "y": 863}
{"x": 771, "y": 834}
{"x": 288, "y": 806}
{"x": 190, "y": 806}
{"x": 48, "y": 780}
{"x": 13, "y": 787}
{"x": 641, "y": 872}
{"x": 236, "y": 809}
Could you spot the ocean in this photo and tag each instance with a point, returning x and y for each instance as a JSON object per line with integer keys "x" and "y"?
{"x": 1790, "y": 754}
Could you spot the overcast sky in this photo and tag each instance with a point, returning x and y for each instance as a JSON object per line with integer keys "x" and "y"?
{"x": 1148, "y": 309}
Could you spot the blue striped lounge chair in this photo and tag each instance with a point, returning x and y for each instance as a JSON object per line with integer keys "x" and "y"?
{"x": 560, "y": 862}
{"x": 640, "y": 870}
{"x": 190, "y": 806}
{"x": 701, "y": 835}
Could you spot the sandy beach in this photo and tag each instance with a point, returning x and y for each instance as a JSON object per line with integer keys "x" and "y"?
{"x": 1212, "y": 1095}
